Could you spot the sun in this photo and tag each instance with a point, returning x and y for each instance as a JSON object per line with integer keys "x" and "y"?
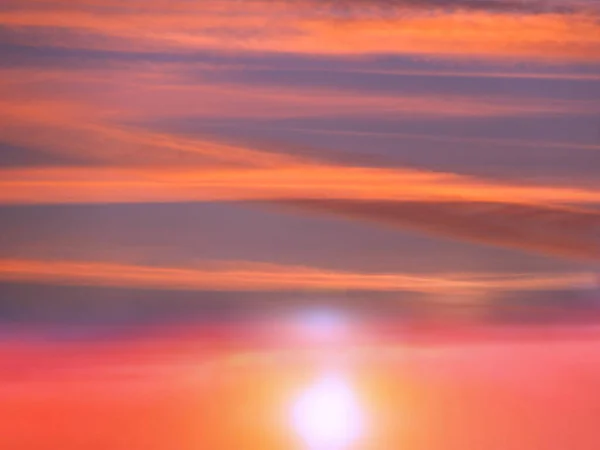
{"x": 327, "y": 415}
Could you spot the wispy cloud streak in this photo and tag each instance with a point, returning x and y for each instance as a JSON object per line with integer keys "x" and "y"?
{"x": 248, "y": 276}
{"x": 528, "y": 217}
{"x": 88, "y": 184}
{"x": 300, "y": 27}
{"x": 121, "y": 96}
{"x": 81, "y": 113}
{"x": 562, "y": 232}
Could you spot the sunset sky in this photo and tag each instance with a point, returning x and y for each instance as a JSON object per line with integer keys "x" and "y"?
{"x": 181, "y": 181}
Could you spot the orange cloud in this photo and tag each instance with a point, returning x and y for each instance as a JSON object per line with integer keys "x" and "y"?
{"x": 93, "y": 141}
{"x": 43, "y": 110}
{"x": 310, "y": 181}
{"x": 299, "y": 27}
{"x": 48, "y": 110}
{"x": 235, "y": 100}
{"x": 246, "y": 276}
{"x": 527, "y": 217}
{"x": 79, "y": 112}
{"x": 466, "y": 34}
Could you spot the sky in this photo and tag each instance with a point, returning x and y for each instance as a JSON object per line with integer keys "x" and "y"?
{"x": 178, "y": 178}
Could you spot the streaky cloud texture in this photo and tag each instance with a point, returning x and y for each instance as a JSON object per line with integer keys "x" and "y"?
{"x": 248, "y": 276}
{"x": 122, "y": 95}
{"x": 528, "y": 217}
{"x": 568, "y": 233}
{"x": 139, "y": 184}
{"x": 304, "y": 28}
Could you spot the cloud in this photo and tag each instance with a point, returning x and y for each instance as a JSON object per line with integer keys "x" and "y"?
{"x": 554, "y": 231}
{"x": 200, "y": 169}
{"x": 80, "y": 113}
{"x": 162, "y": 91}
{"x": 309, "y": 181}
{"x": 328, "y": 6}
{"x": 251, "y": 276}
{"x": 525, "y": 6}
{"x": 527, "y": 217}
{"x": 443, "y": 73}
{"x": 503, "y": 141}
{"x": 55, "y": 128}
{"x": 499, "y": 30}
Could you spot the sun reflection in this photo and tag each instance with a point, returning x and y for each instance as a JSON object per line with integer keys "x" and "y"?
{"x": 327, "y": 415}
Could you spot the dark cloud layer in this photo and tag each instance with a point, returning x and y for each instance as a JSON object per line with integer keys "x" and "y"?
{"x": 554, "y": 231}
{"x": 76, "y": 312}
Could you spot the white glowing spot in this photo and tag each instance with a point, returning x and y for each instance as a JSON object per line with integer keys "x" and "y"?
{"x": 327, "y": 415}
{"x": 323, "y": 325}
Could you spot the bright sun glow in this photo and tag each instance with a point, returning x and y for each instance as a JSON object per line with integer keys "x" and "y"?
{"x": 323, "y": 325}
{"x": 327, "y": 415}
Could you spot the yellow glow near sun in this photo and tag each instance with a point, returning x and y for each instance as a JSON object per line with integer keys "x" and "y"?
{"x": 327, "y": 415}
